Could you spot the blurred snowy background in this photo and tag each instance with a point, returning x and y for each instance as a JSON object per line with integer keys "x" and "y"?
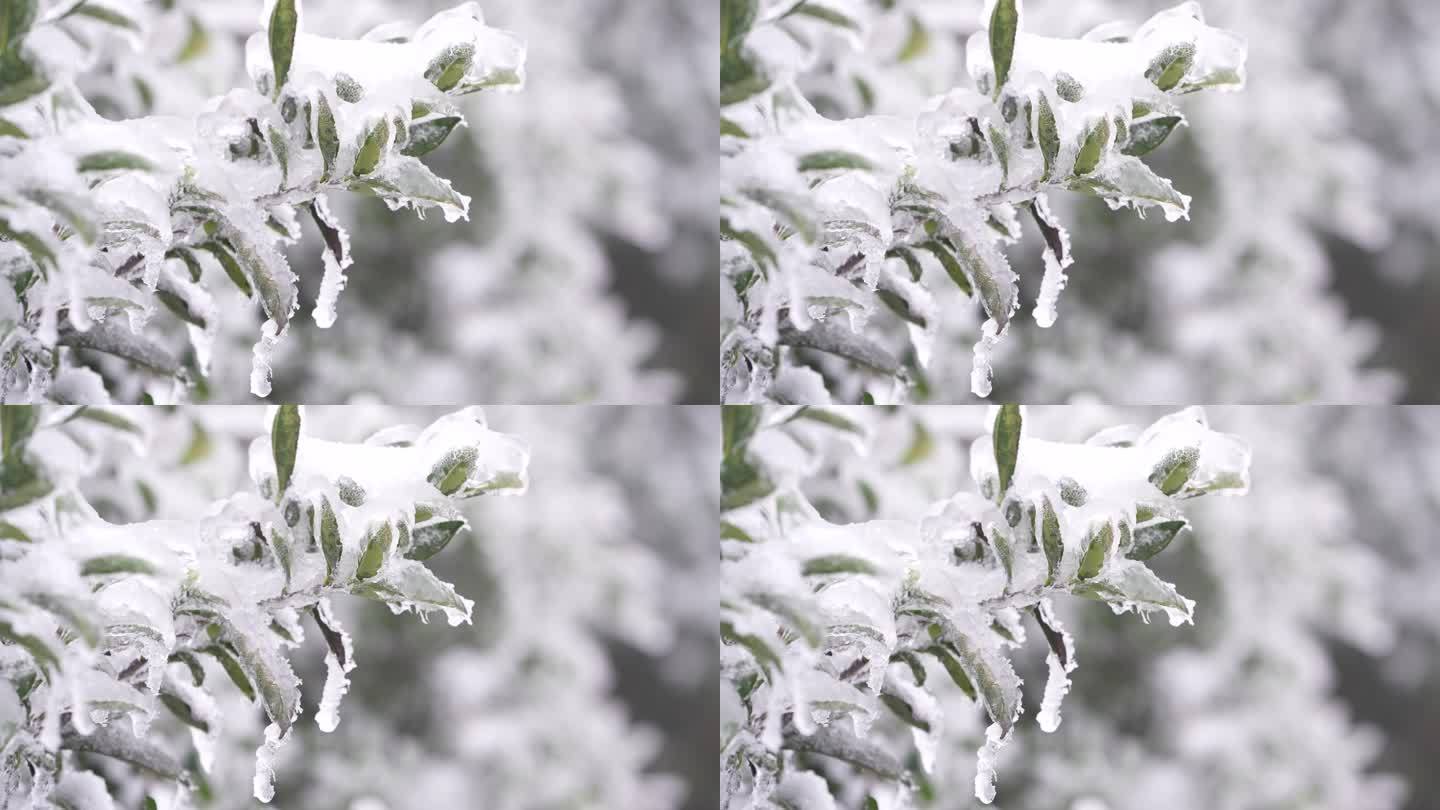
{"x": 586, "y": 271}
{"x": 1311, "y": 676}
{"x": 586, "y": 680}
{"x": 1305, "y": 270}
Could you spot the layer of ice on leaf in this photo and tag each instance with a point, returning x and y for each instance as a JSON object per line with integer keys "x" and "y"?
{"x": 337, "y": 674}
{"x": 985, "y": 760}
{"x": 981, "y": 371}
{"x": 1054, "y": 281}
{"x": 263, "y": 354}
{"x": 264, "y": 783}
{"x": 1058, "y": 684}
{"x": 334, "y": 279}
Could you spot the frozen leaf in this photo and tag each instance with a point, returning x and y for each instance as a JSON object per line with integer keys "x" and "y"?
{"x": 284, "y": 22}
{"x": 1004, "y": 25}
{"x": 1006, "y": 433}
{"x": 284, "y": 442}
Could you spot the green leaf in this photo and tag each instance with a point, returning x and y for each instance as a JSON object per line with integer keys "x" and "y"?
{"x": 738, "y": 423}
{"x": 453, "y": 469}
{"x": 837, "y": 564}
{"x": 1174, "y": 470}
{"x": 917, "y": 41}
{"x": 736, "y": 19}
{"x": 950, "y": 263}
{"x": 449, "y": 67}
{"x": 432, "y": 538}
{"x": 114, "y": 160}
{"x": 426, "y": 136}
{"x": 16, "y": 17}
{"x": 1097, "y": 548}
{"x": 727, "y": 127}
{"x": 283, "y": 21}
{"x": 1147, "y": 135}
{"x": 764, "y": 656}
{"x": 17, "y": 425}
{"x": 1007, "y": 443}
{"x": 377, "y": 548}
{"x": 182, "y": 710}
{"x": 834, "y": 159}
{"x": 1051, "y": 541}
{"x": 1068, "y": 88}
{"x": 330, "y": 544}
{"x": 1004, "y": 25}
{"x": 729, "y": 531}
{"x": 1093, "y": 147}
{"x": 231, "y": 267}
{"x": 19, "y": 79}
{"x": 808, "y": 8}
{"x": 232, "y": 668}
{"x": 741, "y": 484}
{"x": 351, "y": 493}
{"x": 349, "y": 90}
{"x": 418, "y": 585}
{"x": 284, "y": 443}
{"x": 1170, "y": 65}
{"x": 115, "y": 564}
{"x": 9, "y": 531}
{"x": 953, "y": 668}
{"x": 1154, "y": 538}
{"x": 370, "y": 151}
{"x": 197, "y": 41}
{"x": 326, "y": 135}
{"x": 903, "y": 710}
{"x": 1047, "y": 133}
{"x": 106, "y": 15}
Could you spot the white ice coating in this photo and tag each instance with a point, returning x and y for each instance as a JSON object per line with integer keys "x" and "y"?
{"x": 985, "y": 761}
{"x": 264, "y": 353}
{"x": 334, "y": 279}
{"x": 337, "y": 675}
{"x": 1054, "y": 280}
{"x": 264, "y": 783}
{"x": 1058, "y": 684}
{"x": 981, "y": 372}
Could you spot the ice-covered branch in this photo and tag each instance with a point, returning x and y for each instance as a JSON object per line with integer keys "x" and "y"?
{"x": 106, "y": 222}
{"x": 858, "y": 634}
{"x": 881, "y": 221}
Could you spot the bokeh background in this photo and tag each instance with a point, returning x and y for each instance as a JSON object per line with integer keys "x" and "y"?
{"x": 587, "y": 678}
{"x": 586, "y": 270}
{"x": 1311, "y": 676}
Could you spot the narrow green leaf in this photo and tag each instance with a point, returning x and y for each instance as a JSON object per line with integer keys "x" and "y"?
{"x": 370, "y": 151}
{"x": 764, "y": 656}
{"x": 114, "y": 160}
{"x": 284, "y": 19}
{"x": 834, "y": 159}
{"x": 1047, "y": 133}
{"x": 1004, "y": 25}
{"x": 953, "y": 668}
{"x": 17, "y": 425}
{"x": 326, "y": 135}
{"x": 1174, "y": 470}
{"x": 16, "y": 17}
{"x": 453, "y": 469}
{"x": 1051, "y": 541}
{"x": 950, "y": 263}
{"x": 377, "y": 550}
{"x": 1170, "y": 65}
{"x": 1007, "y": 443}
{"x": 182, "y": 710}
{"x": 1154, "y": 538}
{"x": 426, "y": 136}
{"x": 1093, "y": 147}
{"x": 232, "y": 668}
{"x": 450, "y": 66}
{"x": 917, "y": 41}
{"x": 1097, "y": 548}
{"x": 736, "y": 19}
{"x": 1147, "y": 135}
{"x": 115, "y": 564}
{"x": 430, "y": 539}
{"x": 284, "y": 443}
{"x": 837, "y": 564}
{"x": 231, "y": 267}
{"x": 330, "y": 543}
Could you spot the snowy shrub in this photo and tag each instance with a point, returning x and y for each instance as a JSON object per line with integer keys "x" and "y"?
{"x": 824, "y": 220}
{"x": 849, "y": 647}
{"x": 111, "y": 627}
{"x": 108, "y": 222}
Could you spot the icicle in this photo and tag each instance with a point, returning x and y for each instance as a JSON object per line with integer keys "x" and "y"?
{"x": 260, "y": 370}
{"x": 985, "y": 763}
{"x": 265, "y": 762}
{"x": 333, "y": 282}
{"x": 1058, "y": 684}
{"x": 337, "y": 680}
{"x": 981, "y": 372}
{"x": 1057, "y": 257}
